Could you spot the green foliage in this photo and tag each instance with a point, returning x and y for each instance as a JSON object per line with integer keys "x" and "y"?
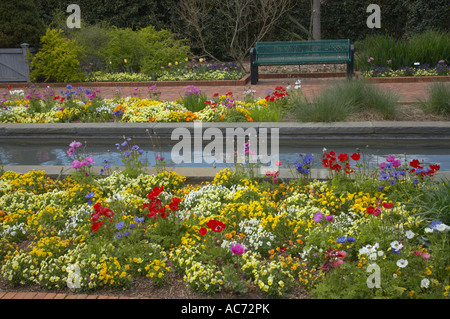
{"x": 426, "y": 48}
{"x": 145, "y": 50}
{"x": 438, "y": 99}
{"x": 57, "y": 60}
{"x": 339, "y": 100}
{"x": 19, "y": 23}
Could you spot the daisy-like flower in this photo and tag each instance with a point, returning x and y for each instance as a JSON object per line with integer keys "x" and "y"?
{"x": 409, "y": 234}
{"x": 396, "y": 245}
{"x": 425, "y": 283}
{"x": 402, "y": 263}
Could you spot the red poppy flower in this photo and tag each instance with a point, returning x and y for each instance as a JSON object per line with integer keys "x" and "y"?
{"x": 387, "y": 205}
{"x": 355, "y": 156}
{"x": 370, "y": 210}
{"x": 415, "y": 163}
{"x": 343, "y": 157}
{"x": 173, "y": 206}
{"x": 96, "y": 226}
{"x": 435, "y": 167}
{"x": 216, "y": 95}
{"x": 202, "y": 231}
{"x": 215, "y": 225}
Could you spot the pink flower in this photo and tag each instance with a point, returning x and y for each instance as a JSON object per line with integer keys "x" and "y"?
{"x": 75, "y": 144}
{"x": 90, "y": 160}
{"x": 278, "y": 163}
{"x": 329, "y": 218}
{"x": 337, "y": 263}
{"x": 76, "y": 164}
{"x": 70, "y": 151}
{"x": 390, "y": 158}
{"x": 396, "y": 163}
{"x": 237, "y": 249}
{"x": 318, "y": 217}
{"x": 426, "y": 255}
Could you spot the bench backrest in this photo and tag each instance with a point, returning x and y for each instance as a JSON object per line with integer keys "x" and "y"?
{"x": 327, "y": 51}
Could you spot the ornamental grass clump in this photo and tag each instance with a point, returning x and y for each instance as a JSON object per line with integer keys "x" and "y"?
{"x": 340, "y": 100}
{"x": 438, "y": 102}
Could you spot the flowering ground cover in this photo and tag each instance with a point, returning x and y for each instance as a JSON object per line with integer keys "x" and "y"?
{"x": 87, "y": 105}
{"x": 361, "y": 233}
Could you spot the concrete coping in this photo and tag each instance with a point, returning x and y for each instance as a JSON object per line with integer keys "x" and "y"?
{"x": 388, "y": 129}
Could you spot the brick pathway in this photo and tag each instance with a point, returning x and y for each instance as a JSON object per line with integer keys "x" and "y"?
{"x": 408, "y": 92}
{"x": 44, "y": 295}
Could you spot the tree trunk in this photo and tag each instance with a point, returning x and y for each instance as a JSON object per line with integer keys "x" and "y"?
{"x": 316, "y": 19}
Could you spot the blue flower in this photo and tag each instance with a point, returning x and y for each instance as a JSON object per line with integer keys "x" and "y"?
{"x": 384, "y": 176}
{"x": 350, "y": 239}
{"x": 120, "y": 225}
{"x": 416, "y": 181}
{"x": 124, "y": 144}
{"x": 118, "y": 146}
{"x": 90, "y": 195}
{"x": 392, "y": 182}
{"x": 141, "y": 151}
{"x": 127, "y": 153}
{"x": 341, "y": 239}
{"x": 139, "y": 219}
{"x": 69, "y": 86}
{"x": 381, "y": 188}
{"x": 118, "y": 235}
{"x": 135, "y": 148}
{"x": 128, "y": 232}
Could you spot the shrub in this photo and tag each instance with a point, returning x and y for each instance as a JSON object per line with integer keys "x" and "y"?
{"x": 19, "y": 23}
{"x": 145, "y": 50}
{"x": 57, "y": 60}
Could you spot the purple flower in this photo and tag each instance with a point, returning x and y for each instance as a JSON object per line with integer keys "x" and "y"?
{"x": 318, "y": 217}
{"x": 329, "y": 218}
{"x": 120, "y": 225}
{"x": 237, "y": 249}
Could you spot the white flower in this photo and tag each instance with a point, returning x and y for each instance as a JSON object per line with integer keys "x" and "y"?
{"x": 373, "y": 256}
{"x": 424, "y": 283}
{"x": 409, "y": 234}
{"x": 402, "y": 263}
{"x": 428, "y": 230}
{"x": 396, "y": 245}
{"x": 380, "y": 253}
{"x": 441, "y": 227}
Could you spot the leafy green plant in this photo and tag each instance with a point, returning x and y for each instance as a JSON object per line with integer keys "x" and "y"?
{"x": 144, "y": 50}
{"x": 57, "y": 60}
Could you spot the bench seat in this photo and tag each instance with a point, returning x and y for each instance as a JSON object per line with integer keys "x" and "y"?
{"x": 301, "y": 52}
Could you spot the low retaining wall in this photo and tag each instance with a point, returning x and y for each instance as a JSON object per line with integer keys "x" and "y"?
{"x": 287, "y": 130}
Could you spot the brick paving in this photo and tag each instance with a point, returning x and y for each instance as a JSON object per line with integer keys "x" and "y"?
{"x": 408, "y": 91}
{"x": 54, "y": 296}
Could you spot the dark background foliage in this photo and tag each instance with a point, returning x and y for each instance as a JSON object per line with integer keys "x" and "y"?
{"x": 25, "y": 20}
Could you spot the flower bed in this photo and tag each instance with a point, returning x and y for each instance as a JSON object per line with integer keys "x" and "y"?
{"x": 441, "y": 69}
{"x": 86, "y": 105}
{"x": 359, "y": 234}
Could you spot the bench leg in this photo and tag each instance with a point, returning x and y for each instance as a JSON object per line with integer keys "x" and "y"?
{"x": 254, "y": 74}
{"x": 351, "y": 65}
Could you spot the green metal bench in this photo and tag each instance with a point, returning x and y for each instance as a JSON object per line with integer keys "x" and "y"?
{"x": 301, "y": 52}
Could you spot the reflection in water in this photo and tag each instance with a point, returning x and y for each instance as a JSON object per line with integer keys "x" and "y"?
{"x": 51, "y": 152}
